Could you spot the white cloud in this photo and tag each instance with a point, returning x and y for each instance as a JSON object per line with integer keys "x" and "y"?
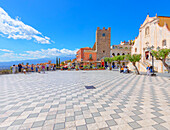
{"x": 43, "y": 53}
{"x": 5, "y": 50}
{"x": 16, "y": 29}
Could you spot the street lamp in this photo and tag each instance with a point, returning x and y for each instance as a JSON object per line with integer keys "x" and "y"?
{"x": 149, "y": 49}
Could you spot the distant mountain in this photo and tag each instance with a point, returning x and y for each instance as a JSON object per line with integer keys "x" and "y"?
{"x": 34, "y": 61}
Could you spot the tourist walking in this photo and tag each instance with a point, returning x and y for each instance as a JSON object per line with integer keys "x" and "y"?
{"x": 151, "y": 69}
{"x": 43, "y": 68}
{"x": 13, "y": 69}
{"x": 148, "y": 71}
{"x": 19, "y": 68}
{"x": 47, "y": 67}
{"x": 32, "y": 68}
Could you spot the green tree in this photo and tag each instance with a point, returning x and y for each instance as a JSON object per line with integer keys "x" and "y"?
{"x": 109, "y": 60}
{"x": 62, "y": 63}
{"x": 162, "y": 55}
{"x": 118, "y": 59}
{"x": 133, "y": 59}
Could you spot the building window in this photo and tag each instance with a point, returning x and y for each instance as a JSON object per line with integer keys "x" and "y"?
{"x": 163, "y": 43}
{"x": 123, "y": 54}
{"x": 90, "y": 56}
{"x": 135, "y": 49}
{"x": 103, "y": 34}
{"x": 118, "y": 54}
{"x": 147, "y": 31}
{"x": 113, "y": 54}
{"x": 103, "y": 51}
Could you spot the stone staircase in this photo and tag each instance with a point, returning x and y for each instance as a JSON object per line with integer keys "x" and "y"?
{"x": 146, "y": 63}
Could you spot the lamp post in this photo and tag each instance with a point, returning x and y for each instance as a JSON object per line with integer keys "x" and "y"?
{"x": 149, "y": 49}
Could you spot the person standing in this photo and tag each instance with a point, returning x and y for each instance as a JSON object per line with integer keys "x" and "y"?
{"x": 32, "y": 68}
{"x": 19, "y": 68}
{"x": 43, "y": 68}
{"x": 13, "y": 69}
{"x": 47, "y": 67}
{"x": 36, "y": 68}
{"x": 148, "y": 70}
{"x": 151, "y": 69}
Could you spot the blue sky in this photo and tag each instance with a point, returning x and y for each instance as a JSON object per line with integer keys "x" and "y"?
{"x": 46, "y": 28}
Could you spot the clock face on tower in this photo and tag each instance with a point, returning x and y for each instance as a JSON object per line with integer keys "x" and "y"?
{"x": 103, "y": 34}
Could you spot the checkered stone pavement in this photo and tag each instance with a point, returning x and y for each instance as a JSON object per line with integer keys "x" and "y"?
{"x": 59, "y": 100}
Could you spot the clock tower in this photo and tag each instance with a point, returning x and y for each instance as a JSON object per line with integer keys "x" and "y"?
{"x": 103, "y": 37}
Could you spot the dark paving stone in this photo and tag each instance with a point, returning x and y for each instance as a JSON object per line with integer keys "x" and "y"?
{"x": 158, "y": 120}
{"x": 82, "y": 127}
{"x": 50, "y": 117}
{"x": 118, "y": 110}
{"x": 61, "y": 111}
{"x": 44, "y": 110}
{"x": 105, "y": 105}
{"x": 59, "y": 126}
{"x": 136, "y": 118}
{"x": 96, "y": 114}
{"x": 105, "y": 128}
{"x": 16, "y": 114}
{"x": 134, "y": 125}
{"x": 38, "y": 124}
{"x": 76, "y": 113}
{"x": 159, "y": 127}
{"x": 29, "y": 109}
{"x": 121, "y": 106}
{"x": 33, "y": 115}
{"x": 101, "y": 109}
{"x": 136, "y": 112}
{"x": 115, "y": 116}
{"x": 69, "y": 107}
{"x": 18, "y": 122}
{"x": 40, "y": 105}
{"x": 111, "y": 122}
{"x": 70, "y": 118}
{"x": 156, "y": 109}
{"x": 89, "y": 120}
{"x": 84, "y": 108}
{"x": 3, "y": 119}
{"x": 90, "y": 104}
{"x": 54, "y": 106}
{"x": 157, "y": 114}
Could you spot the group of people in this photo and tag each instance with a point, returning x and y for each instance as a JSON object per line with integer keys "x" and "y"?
{"x": 149, "y": 70}
{"x": 124, "y": 69}
{"x": 33, "y": 68}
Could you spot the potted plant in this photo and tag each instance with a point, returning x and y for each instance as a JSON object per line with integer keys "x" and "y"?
{"x": 93, "y": 67}
{"x": 69, "y": 68}
{"x": 77, "y": 68}
{"x": 61, "y": 68}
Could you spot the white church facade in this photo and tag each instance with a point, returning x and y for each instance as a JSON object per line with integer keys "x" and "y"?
{"x": 155, "y": 32}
